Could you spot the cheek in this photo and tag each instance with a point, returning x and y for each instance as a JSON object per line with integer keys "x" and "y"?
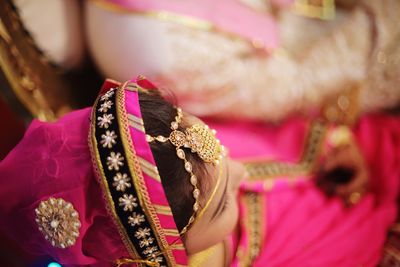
{"x": 217, "y": 231}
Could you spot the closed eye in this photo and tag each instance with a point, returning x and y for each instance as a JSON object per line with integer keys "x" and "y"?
{"x": 223, "y": 203}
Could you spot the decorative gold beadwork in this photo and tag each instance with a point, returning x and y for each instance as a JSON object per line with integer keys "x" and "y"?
{"x": 58, "y": 221}
{"x": 254, "y": 225}
{"x": 199, "y": 139}
{"x": 202, "y": 141}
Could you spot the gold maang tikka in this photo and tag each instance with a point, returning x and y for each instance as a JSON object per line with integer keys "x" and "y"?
{"x": 199, "y": 139}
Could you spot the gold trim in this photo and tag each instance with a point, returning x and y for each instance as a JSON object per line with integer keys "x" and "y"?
{"x": 137, "y": 177}
{"x": 110, "y": 206}
{"x": 178, "y": 247}
{"x": 188, "y": 21}
{"x": 4, "y": 34}
{"x": 171, "y": 232}
{"x": 24, "y": 88}
{"x": 254, "y": 227}
{"x": 268, "y": 169}
{"x": 211, "y": 197}
{"x": 134, "y": 124}
{"x": 306, "y": 8}
{"x": 149, "y": 169}
{"x": 132, "y": 87}
{"x": 164, "y": 210}
{"x": 135, "y": 119}
{"x": 242, "y": 250}
{"x": 37, "y": 84}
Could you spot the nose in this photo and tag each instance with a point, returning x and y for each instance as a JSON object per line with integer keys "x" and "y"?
{"x": 237, "y": 172}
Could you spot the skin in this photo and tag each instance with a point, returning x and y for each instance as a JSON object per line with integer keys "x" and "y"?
{"x": 223, "y": 211}
{"x": 223, "y": 220}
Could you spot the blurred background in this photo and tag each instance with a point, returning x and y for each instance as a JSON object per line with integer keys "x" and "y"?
{"x": 263, "y": 60}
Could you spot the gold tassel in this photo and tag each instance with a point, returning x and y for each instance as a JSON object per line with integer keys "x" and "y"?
{"x": 121, "y": 262}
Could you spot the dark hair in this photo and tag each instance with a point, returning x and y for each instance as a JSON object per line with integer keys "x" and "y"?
{"x": 157, "y": 116}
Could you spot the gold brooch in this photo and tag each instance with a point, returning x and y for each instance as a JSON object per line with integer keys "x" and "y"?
{"x": 58, "y": 221}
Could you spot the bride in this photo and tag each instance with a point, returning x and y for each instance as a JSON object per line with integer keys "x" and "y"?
{"x": 135, "y": 180}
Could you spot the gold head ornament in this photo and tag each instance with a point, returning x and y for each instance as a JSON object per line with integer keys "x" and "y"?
{"x": 200, "y": 139}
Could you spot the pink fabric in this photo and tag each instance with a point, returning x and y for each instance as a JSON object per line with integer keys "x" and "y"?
{"x": 53, "y": 160}
{"x": 303, "y": 227}
{"x": 224, "y": 14}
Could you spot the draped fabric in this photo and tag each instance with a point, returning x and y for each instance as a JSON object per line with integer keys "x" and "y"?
{"x": 288, "y": 221}
{"x": 53, "y": 162}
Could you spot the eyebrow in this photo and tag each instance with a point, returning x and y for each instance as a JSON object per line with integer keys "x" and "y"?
{"x": 223, "y": 198}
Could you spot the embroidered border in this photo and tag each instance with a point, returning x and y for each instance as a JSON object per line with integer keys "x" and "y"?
{"x": 123, "y": 197}
{"x": 98, "y": 168}
{"x": 138, "y": 179}
{"x": 312, "y": 148}
{"x": 255, "y": 229}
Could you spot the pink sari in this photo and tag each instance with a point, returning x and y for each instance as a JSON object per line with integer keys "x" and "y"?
{"x": 288, "y": 221}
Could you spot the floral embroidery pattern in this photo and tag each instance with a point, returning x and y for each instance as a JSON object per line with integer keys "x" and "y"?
{"x": 108, "y": 139}
{"x": 146, "y": 242}
{"x": 128, "y": 202}
{"x": 107, "y": 95}
{"x": 151, "y": 251}
{"x": 58, "y": 221}
{"x": 114, "y": 161}
{"x": 119, "y": 179}
{"x": 105, "y": 106}
{"x": 105, "y": 121}
{"x": 135, "y": 219}
{"x": 156, "y": 259}
{"x": 142, "y": 233}
{"x": 121, "y": 182}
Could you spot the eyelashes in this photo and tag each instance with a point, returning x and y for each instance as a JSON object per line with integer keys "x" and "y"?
{"x": 227, "y": 196}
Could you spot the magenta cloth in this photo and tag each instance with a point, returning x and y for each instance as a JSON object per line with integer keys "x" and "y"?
{"x": 301, "y": 226}
{"x": 223, "y": 14}
{"x": 53, "y": 160}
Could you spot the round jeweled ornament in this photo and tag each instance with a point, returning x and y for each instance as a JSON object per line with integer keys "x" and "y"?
{"x": 58, "y": 221}
{"x": 177, "y": 138}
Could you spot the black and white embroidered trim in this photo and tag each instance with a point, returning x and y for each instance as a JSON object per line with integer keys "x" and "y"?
{"x": 119, "y": 179}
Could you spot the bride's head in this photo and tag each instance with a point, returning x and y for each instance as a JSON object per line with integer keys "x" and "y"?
{"x": 116, "y": 206}
{"x": 218, "y": 183}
